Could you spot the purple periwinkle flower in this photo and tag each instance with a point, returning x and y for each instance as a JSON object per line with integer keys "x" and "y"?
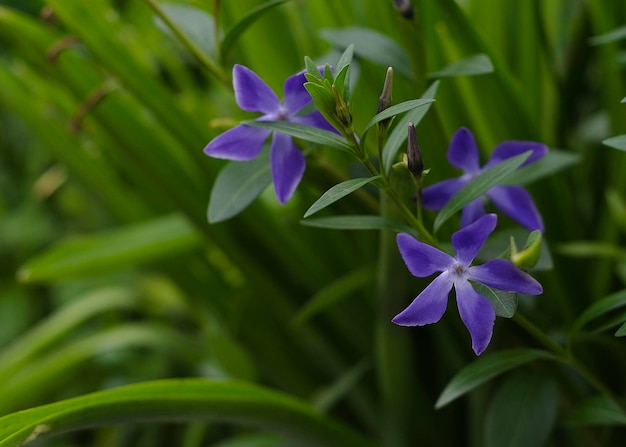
{"x": 476, "y": 311}
{"x": 245, "y": 142}
{"x": 512, "y": 200}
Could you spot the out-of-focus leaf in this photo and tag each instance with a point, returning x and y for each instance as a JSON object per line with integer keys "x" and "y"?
{"x": 478, "y": 186}
{"x": 112, "y": 250}
{"x": 243, "y": 24}
{"x": 331, "y": 395}
{"x": 472, "y": 66}
{"x": 197, "y": 25}
{"x": 357, "y": 223}
{"x": 186, "y": 399}
{"x": 237, "y": 185}
{"x": 621, "y": 331}
{"x": 599, "y": 309}
{"x": 337, "y": 192}
{"x": 371, "y": 45}
{"x": 486, "y": 368}
{"x": 597, "y": 411}
{"x": 304, "y": 132}
{"x": 610, "y": 37}
{"x": 618, "y": 142}
{"x": 399, "y": 134}
{"x": 397, "y": 109}
{"x": 588, "y": 249}
{"x": 504, "y": 303}
{"x": 522, "y": 412}
{"x": 554, "y": 161}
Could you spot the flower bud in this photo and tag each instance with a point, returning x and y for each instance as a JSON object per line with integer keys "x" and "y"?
{"x": 414, "y": 156}
{"x": 405, "y": 8}
{"x": 342, "y": 110}
{"x": 385, "y": 99}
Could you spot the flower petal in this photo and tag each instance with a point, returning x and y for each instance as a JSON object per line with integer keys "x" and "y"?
{"x": 251, "y": 93}
{"x": 422, "y": 259}
{"x": 463, "y": 152}
{"x": 472, "y": 211}
{"x": 468, "y": 240}
{"x": 509, "y": 149}
{"x": 429, "y": 306}
{"x": 434, "y": 197}
{"x": 516, "y": 202}
{"x": 502, "y": 274}
{"x": 477, "y": 314}
{"x": 314, "y": 119}
{"x": 239, "y": 143}
{"x": 296, "y": 96}
{"x": 287, "y": 164}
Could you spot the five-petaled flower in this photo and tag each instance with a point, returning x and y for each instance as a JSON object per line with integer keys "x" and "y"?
{"x": 476, "y": 311}
{"x": 512, "y": 200}
{"x": 245, "y": 142}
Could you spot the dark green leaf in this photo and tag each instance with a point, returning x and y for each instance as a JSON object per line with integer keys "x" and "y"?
{"x": 522, "y": 412}
{"x": 372, "y": 46}
{"x": 338, "y": 192}
{"x": 307, "y": 133}
{"x": 599, "y": 309}
{"x": 474, "y": 65}
{"x": 597, "y": 411}
{"x": 237, "y": 185}
{"x": 399, "y": 134}
{"x": 331, "y": 395}
{"x": 233, "y": 34}
{"x": 357, "y": 223}
{"x": 618, "y": 142}
{"x": 112, "y": 250}
{"x": 504, "y": 303}
{"x": 478, "y": 186}
{"x": 182, "y": 399}
{"x": 397, "y": 109}
{"x": 554, "y": 161}
{"x": 610, "y": 37}
{"x": 486, "y": 368}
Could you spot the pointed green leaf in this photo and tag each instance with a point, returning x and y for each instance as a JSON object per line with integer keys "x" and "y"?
{"x": 338, "y": 192}
{"x": 357, "y": 223}
{"x": 612, "y": 36}
{"x": 182, "y": 399}
{"x": 399, "y": 134}
{"x": 372, "y": 46}
{"x": 307, "y": 133}
{"x": 113, "y": 250}
{"x": 599, "y": 309}
{"x": 345, "y": 59}
{"x": 554, "y": 161}
{"x": 597, "y": 411}
{"x": 472, "y": 66}
{"x": 396, "y": 110}
{"x": 621, "y": 332}
{"x": 234, "y": 33}
{"x": 237, "y": 185}
{"x": 523, "y": 412}
{"x": 478, "y": 186}
{"x": 618, "y": 142}
{"x": 486, "y": 368}
{"x": 312, "y": 70}
{"x": 504, "y": 303}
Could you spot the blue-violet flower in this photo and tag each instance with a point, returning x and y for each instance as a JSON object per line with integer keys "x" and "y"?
{"x": 512, "y": 200}
{"x": 476, "y": 311}
{"x": 244, "y": 142}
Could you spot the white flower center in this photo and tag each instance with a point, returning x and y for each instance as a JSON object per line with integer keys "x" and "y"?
{"x": 458, "y": 272}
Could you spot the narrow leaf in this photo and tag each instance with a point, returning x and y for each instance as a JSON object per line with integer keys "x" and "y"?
{"x": 598, "y": 309}
{"x": 304, "y": 132}
{"x": 195, "y": 23}
{"x": 621, "y": 332}
{"x": 618, "y": 142}
{"x": 357, "y": 223}
{"x": 186, "y": 399}
{"x": 338, "y": 192}
{"x": 478, "y": 186}
{"x": 333, "y": 394}
{"x": 237, "y": 185}
{"x": 597, "y": 411}
{"x": 399, "y": 134}
{"x": 504, "y": 303}
{"x": 554, "y": 161}
{"x": 472, "y": 66}
{"x": 484, "y": 369}
{"x": 612, "y": 36}
{"x": 345, "y": 59}
{"x": 397, "y": 109}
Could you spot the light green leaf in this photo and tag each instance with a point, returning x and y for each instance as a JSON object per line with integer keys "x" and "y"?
{"x": 357, "y": 223}
{"x": 399, "y": 134}
{"x": 233, "y": 34}
{"x": 472, "y": 66}
{"x": 587, "y": 249}
{"x": 621, "y": 332}
{"x": 618, "y": 142}
{"x": 237, "y": 185}
{"x": 307, "y": 133}
{"x": 604, "y": 306}
{"x": 395, "y": 110}
{"x": 371, "y": 45}
{"x": 345, "y": 59}
{"x": 597, "y": 411}
{"x": 195, "y": 23}
{"x": 612, "y": 36}
{"x": 478, "y": 186}
{"x": 504, "y": 303}
{"x": 337, "y": 192}
{"x": 182, "y": 399}
{"x": 114, "y": 250}
{"x": 554, "y": 161}
{"x": 486, "y": 368}
{"x": 522, "y": 412}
